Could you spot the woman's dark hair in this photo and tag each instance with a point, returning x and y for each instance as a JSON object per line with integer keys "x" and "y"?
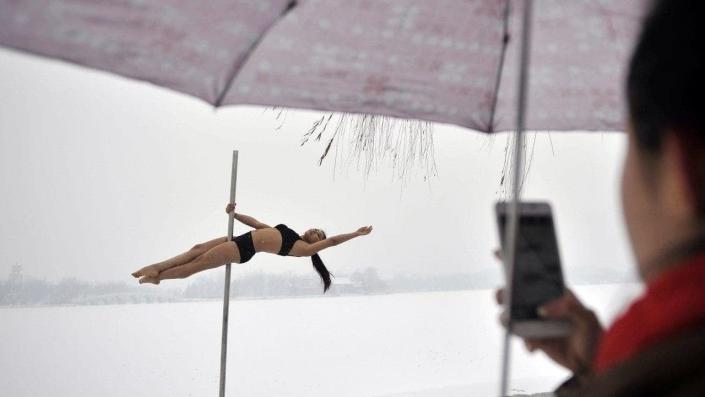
{"x": 666, "y": 83}
{"x": 321, "y": 268}
{"x": 322, "y": 271}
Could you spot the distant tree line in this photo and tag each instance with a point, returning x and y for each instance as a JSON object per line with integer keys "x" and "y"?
{"x": 18, "y": 289}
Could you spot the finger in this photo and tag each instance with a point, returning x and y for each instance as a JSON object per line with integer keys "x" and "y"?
{"x": 565, "y": 306}
{"x": 499, "y": 296}
{"x": 530, "y": 345}
{"x": 504, "y": 318}
{"x": 547, "y": 345}
{"x": 557, "y": 308}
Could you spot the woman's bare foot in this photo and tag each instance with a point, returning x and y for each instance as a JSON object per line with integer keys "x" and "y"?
{"x": 151, "y": 280}
{"x": 150, "y": 271}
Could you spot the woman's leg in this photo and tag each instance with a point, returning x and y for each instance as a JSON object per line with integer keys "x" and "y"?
{"x": 219, "y": 255}
{"x": 186, "y": 257}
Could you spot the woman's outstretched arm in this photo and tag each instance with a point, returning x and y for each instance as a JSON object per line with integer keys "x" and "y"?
{"x": 247, "y": 220}
{"x": 318, "y": 246}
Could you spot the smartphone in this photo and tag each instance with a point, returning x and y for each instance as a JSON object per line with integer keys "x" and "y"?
{"x": 538, "y": 277}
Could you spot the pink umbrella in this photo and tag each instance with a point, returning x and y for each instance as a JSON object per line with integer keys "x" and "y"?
{"x": 445, "y": 61}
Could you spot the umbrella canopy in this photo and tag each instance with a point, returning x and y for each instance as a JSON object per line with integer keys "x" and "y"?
{"x": 444, "y": 61}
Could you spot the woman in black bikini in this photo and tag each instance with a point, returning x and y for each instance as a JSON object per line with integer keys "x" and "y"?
{"x": 278, "y": 240}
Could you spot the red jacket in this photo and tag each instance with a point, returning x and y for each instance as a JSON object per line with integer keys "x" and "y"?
{"x": 672, "y": 303}
{"x": 657, "y": 347}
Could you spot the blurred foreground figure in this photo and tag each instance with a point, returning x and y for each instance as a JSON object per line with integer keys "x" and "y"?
{"x": 657, "y": 347}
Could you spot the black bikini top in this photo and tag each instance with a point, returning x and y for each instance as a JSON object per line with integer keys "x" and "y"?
{"x": 289, "y": 237}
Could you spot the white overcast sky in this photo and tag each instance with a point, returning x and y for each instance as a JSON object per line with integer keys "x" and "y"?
{"x": 101, "y": 175}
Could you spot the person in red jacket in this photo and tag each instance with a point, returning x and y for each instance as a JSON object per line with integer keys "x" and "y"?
{"x": 656, "y": 347}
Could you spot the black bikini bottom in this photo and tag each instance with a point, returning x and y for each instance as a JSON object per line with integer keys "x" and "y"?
{"x": 245, "y": 246}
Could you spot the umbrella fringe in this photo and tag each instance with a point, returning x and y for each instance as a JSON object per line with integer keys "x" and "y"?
{"x": 505, "y": 183}
{"x": 370, "y": 143}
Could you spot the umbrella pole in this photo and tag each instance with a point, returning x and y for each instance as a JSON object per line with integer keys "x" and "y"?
{"x": 510, "y": 236}
{"x": 226, "y": 294}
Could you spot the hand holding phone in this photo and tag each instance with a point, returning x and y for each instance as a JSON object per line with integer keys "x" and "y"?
{"x": 537, "y": 275}
{"x": 576, "y": 350}
{"x": 574, "y": 346}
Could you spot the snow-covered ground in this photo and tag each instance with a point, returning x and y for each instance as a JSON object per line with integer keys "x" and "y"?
{"x": 406, "y": 345}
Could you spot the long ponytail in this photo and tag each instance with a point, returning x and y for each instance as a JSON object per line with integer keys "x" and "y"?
{"x": 322, "y": 271}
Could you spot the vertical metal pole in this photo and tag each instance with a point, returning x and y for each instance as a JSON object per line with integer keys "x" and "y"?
{"x": 226, "y": 294}
{"x": 510, "y": 236}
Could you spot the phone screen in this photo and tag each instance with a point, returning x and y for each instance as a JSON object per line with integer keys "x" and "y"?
{"x": 537, "y": 273}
